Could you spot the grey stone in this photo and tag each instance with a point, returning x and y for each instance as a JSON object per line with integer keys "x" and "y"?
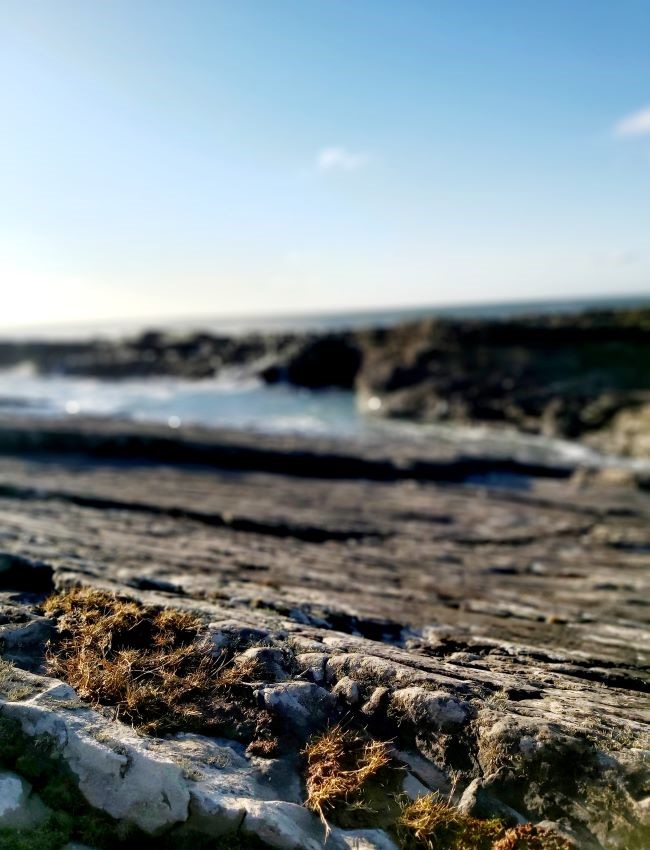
{"x": 347, "y": 690}
{"x": 413, "y": 788}
{"x": 367, "y": 839}
{"x": 427, "y": 772}
{"x": 377, "y": 701}
{"x": 303, "y": 704}
{"x": 19, "y": 807}
{"x": 435, "y": 709}
{"x": 287, "y": 826}
{"x": 127, "y": 781}
{"x": 477, "y": 802}
{"x": 270, "y": 660}
{"x": 28, "y": 636}
{"x": 312, "y": 665}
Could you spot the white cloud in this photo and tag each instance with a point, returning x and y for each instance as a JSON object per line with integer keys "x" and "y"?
{"x": 340, "y": 159}
{"x": 636, "y": 124}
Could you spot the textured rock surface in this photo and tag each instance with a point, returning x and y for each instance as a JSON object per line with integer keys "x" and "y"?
{"x": 19, "y": 808}
{"x": 499, "y": 638}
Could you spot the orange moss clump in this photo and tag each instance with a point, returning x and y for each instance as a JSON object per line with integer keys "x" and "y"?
{"x": 339, "y": 763}
{"x": 431, "y": 822}
{"x": 529, "y": 837}
{"x": 153, "y": 666}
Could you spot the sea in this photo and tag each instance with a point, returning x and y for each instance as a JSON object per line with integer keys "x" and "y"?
{"x": 239, "y": 401}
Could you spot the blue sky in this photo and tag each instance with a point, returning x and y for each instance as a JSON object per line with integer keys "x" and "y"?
{"x": 186, "y": 158}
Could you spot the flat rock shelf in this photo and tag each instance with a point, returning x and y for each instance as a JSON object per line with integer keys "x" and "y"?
{"x": 489, "y": 622}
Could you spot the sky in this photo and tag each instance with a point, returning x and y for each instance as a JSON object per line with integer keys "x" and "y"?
{"x": 188, "y": 158}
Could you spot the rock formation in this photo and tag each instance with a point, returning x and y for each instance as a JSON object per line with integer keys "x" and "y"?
{"x": 494, "y": 641}
{"x": 584, "y": 376}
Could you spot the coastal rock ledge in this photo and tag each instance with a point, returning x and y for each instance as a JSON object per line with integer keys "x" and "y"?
{"x": 182, "y": 651}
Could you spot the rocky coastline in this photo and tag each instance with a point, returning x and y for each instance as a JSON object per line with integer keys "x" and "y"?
{"x": 190, "y": 621}
{"x": 583, "y": 376}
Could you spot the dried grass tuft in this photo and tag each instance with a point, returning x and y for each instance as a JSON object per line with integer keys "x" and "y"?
{"x": 431, "y": 822}
{"x": 339, "y": 763}
{"x": 153, "y": 666}
{"x": 529, "y": 837}
{"x": 244, "y": 671}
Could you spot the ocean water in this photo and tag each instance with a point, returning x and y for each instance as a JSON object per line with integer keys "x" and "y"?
{"x": 228, "y": 402}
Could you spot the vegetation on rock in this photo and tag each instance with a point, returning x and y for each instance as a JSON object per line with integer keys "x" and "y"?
{"x": 154, "y": 667}
{"x": 431, "y": 822}
{"x": 339, "y": 763}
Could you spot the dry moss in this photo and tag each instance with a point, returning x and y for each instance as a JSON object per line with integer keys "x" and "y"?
{"x": 154, "y": 667}
{"x": 241, "y": 671}
{"x": 264, "y": 747}
{"x": 431, "y": 822}
{"x": 12, "y": 685}
{"x": 339, "y": 763}
{"x": 529, "y": 837}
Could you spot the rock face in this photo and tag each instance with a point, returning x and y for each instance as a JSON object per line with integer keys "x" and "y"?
{"x": 497, "y": 638}
{"x": 332, "y": 360}
{"x": 564, "y": 376}
{"x": 19, "y": 808}
{"x": 192, "y": 356}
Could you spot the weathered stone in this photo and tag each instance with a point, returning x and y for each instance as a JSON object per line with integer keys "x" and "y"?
{"x": 128, "y": 782}
{"x": 19, "y": 807}
{"x": 231, "y": 630}
{"x": 312, "y": 665}
{"x": 413, "y": 788}
{"x": 303, "y": 704}
{"x": 435, "y": 709}
{"x": 521, "y": 661}
{"x": 377, "y": 701}
{"x": 367, "y": 839}
{"x": 479, "y": 803}
{"x": 347, "y": 690}
{"x": 287, "y": 825}
{"x": 270, "y": 661}
{"x": 27, "y": 637}
{"x": 426, "y": 772}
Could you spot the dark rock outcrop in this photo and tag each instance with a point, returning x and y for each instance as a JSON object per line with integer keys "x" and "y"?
{"x": 319, "y": 362}
{"x": 562, "y": 376}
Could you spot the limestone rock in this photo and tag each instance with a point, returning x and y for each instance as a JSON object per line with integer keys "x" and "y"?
{"x": 269, "y": 660}
{"x": 312, "y": 665}
{"x": 19, "y": 807}
{"x": 413, "y": 788}
{"x": 479, "y": 803}
{"x": 435, "y": 709}
{"x": 347, "y": 690}
{"x": 517, "y": 670}
{"x": 124, "y": 779}
{"x": 303, "y": 704}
